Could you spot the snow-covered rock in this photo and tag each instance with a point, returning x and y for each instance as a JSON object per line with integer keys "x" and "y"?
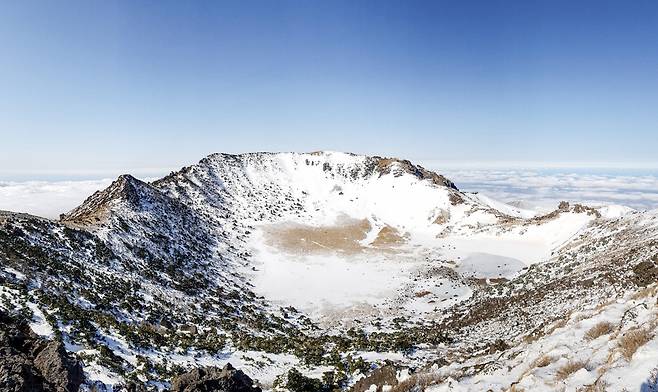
{"x": 325, "y": 262}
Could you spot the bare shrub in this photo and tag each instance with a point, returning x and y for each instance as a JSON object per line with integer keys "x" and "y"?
{"x": 569, "y": 368}
{"x": 558, "y": 324}
{"x": 600, "y": 329}
{"x": 417, "y": 382}
{"x": 543, "y": 361}
{"x": 632, "y": 340}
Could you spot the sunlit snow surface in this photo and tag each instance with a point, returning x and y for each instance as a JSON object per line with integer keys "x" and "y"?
{"x": 347, "y": 247}
{"x": 311, "y": 266}
{"x": 383, "y": 282}
{"x": 535, "y": 366}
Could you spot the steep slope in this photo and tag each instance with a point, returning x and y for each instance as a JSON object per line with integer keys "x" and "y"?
{"x": 323, "y": 261}
{"x": 145, "y": 225}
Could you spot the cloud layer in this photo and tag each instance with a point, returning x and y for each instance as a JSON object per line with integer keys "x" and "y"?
{"x": 47, "y": 198}
{"x": 546, "y": 189}
{"x": 526, "y": 188}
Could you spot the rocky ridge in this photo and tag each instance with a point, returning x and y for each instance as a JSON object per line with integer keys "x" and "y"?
{"x": 141, "y": 274}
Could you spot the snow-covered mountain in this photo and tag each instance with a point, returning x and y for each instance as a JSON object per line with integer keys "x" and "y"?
{"x": 342, "y": 267}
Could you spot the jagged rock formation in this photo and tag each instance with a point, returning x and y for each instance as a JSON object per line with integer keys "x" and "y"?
{"x": 213, "y": 379}
{"x": 383, "y": 377}
{"x": 388, "y": 165}
{"x": 29, "y": 363}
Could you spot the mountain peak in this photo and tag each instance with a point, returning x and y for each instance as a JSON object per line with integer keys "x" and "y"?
{"x": 389, "y": 165}
{"x": 125, "y": 188}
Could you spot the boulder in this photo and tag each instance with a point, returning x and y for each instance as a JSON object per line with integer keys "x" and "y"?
{"x": 646, "y": 273}
{"x": 53, "y": 362}
{"x": 30, "y": 363}
{"x": 382, "y": 377}
{"x": 214, "y": 379}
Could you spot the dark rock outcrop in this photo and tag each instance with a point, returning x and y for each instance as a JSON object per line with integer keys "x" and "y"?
{"x": 385, "y": 166}
{"x": 646, "y": 273}
{"x": 54, "y": 363}
{"x": 214, "y": 379}
{"x": 30, "y": 363}
{"x": 385, "y": 376}
{"x": 130, "y": 387}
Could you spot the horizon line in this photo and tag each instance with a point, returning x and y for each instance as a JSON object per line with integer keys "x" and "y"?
{"x": 436, "y": 164}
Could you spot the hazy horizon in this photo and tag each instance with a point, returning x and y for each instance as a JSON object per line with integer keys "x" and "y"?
{"x": 533, "y": 185}
{"x": 50, "y": 173}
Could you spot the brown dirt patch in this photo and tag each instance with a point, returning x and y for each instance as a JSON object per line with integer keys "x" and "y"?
{"x": 343, "y": 237}
{"x": 442, "y": 217}
{"x": 455, "y": 199}
{"x": 388, "y": 236}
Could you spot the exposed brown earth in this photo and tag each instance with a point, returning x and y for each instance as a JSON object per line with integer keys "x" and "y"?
{"x": 384, "y": 166}
{"x": 343, "y": 237}
{"x": 442, "y": 217}
{"x": 565, "y": 207}
{"x": 388, "y": 236}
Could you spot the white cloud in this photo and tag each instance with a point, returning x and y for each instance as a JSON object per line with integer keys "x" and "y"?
{"x": 534, "y": 187}
{"x": 47, "y": 198}
{"x": 548, "y": 188}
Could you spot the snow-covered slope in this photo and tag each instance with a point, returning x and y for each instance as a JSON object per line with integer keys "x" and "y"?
{"x": 319, "y": 261}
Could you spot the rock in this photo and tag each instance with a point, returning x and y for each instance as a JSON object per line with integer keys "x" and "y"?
{"x": 498, "y": 345}
{"x": 166, "y": 324}
{"x": 64, "y": 373}
{"x": 385, "y": 376}
{"x": 214, "y": 379}
{"x": 30, "y": 363}
{"x": 189, "y": 329}
{"x": 646, "y": 273}
{"x": 17, "y": 374}
{"x": 131, "y": 387}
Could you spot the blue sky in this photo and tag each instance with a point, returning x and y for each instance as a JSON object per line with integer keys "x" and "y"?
{"x": 95, "y": 86}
